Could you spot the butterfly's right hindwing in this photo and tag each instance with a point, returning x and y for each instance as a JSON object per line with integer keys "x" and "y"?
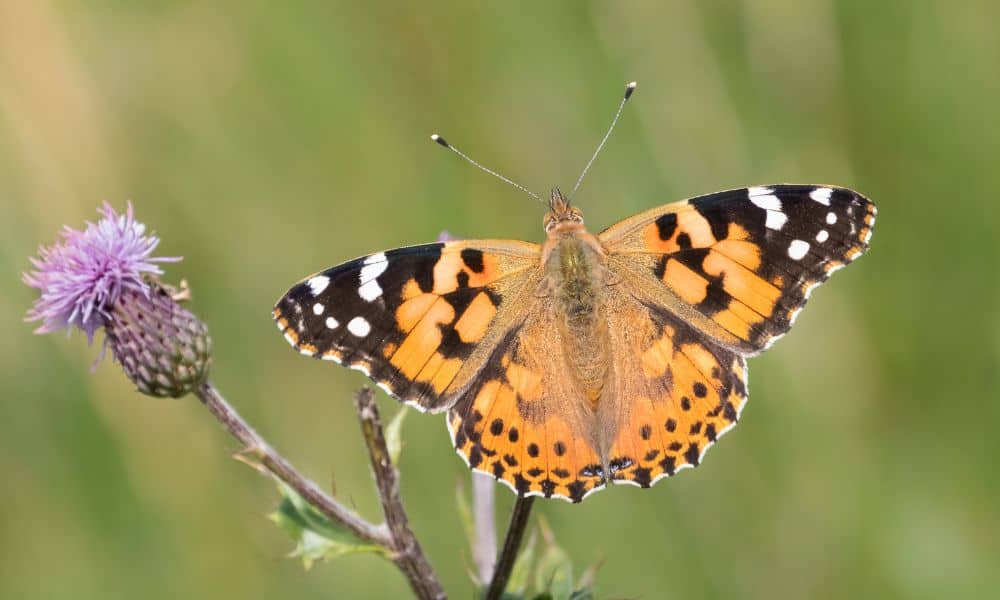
{"x": 408, "y": 318}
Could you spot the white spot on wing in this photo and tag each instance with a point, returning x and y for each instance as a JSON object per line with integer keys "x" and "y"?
{"x": 370, "y": 290}
{"x": 797, "y": 249}
{"x": 831, "y": 218}
{"x": 822, "y": 236}
{"x": 318, "y": 283}
{"x": 332, "y": 323}
{"x": 318, "y": 308}
{"x": 374, "y": 265}
{"x": 626, "y": 482}
{"x": 363, "y": 367}
{"x": 821, "y": 195}
{"x": 775, "y": 220}
{"x": 766, "y": 201}
{"x": 359, "y": 326}
{"x": 762, "y": 197}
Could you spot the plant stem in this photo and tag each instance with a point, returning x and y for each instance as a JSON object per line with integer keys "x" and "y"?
{"x": 265, "y": 455}
{"x": 395, "y": 534}
{"x": 408, "y": 555}
{"x": 484, "y": 548}
{"x": 511, "y": 545}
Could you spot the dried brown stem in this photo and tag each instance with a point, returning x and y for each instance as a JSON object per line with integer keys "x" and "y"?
{"x": 407, "y": 554}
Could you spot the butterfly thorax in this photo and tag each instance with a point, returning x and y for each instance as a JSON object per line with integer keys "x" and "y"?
{"x": 575, "y": 277}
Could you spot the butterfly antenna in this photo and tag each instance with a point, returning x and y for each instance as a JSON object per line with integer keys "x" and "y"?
{"x": 440, "y": 140}
{"x": 628, "y": 94}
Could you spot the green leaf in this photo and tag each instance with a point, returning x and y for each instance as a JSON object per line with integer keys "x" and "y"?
{"x": 554, "y": 571}
{"x": 316, "y": 537}
{"x": 394, "y": 434}
{"x": 520, "y": 575}
{"x": 584, "y": 585}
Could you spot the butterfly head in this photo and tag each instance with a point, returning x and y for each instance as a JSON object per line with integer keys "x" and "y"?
{"x": 561, "y": 216}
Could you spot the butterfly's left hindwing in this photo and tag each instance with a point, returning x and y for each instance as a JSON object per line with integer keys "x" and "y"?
{"x": 739, "y": 265}
{"x": 408, "y": 318}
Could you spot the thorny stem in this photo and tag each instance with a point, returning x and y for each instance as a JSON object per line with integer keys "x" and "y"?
{"x": 511, "y": 545}
{"x": 407, "y": 554}
{"x": 395, "y": 534}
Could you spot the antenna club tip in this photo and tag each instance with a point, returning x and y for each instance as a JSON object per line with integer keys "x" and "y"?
{"x": 440, "y": 140}
{"x": 629, "y": 88}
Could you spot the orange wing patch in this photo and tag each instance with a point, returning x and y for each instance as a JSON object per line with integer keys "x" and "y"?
{"x": 522, "y": 422}
{"x": 549, "y": 458}
{"x": 684, "y": 396}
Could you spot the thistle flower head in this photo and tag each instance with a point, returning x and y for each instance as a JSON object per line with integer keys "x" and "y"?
{"x": 84, "y": 273}
{"x": 106, "y": 277}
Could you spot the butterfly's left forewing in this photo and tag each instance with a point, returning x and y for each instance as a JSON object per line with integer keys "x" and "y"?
{"x": 412, "y": 319}
{"x": 739, "y": 265}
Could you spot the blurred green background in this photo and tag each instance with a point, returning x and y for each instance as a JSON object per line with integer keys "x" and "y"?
{"x": 263, "y": 143}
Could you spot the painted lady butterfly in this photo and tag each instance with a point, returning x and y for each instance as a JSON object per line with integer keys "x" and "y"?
{"x": 619, "y": 356}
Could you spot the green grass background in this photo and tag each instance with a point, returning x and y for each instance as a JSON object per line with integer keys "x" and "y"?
{"x": 264, "y": 142}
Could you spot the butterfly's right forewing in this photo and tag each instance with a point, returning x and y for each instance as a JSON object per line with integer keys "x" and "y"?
{"x": 413, "y": 319}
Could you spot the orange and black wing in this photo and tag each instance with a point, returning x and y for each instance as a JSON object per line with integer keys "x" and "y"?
{"x": 674, "y": 394}
{"x": 525, "y": 422}
{"x": 413, "y": 319}
{"x": 739, "y": 265}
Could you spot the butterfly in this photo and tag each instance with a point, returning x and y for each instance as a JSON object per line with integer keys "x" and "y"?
{"x": 588, "y": 358}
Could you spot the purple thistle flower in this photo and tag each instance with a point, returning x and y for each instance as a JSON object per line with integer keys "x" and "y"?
{"x": 84, "y": 274}
{"x": 105, "y": 277}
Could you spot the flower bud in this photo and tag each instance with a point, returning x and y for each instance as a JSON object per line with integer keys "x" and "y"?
{"x": 162, "y": 347}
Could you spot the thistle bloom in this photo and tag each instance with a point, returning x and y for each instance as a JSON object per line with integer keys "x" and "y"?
{"x": 105, "y": 276}
{"x": 85, "y": 273}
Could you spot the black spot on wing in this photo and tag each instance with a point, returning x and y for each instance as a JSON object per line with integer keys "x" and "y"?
{"x": 473, "y": 259}
{"x": 577, "y": 489}
{"x": 692, "y": 454}
{"x": 661, "y": 266}
{"x": 716, "y": 298}
{"x": 692, "y": 258}
{"x": 720, "y": 227}
{"x": 666, "y": 225}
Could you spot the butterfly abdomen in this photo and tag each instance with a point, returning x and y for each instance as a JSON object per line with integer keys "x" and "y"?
{"x": 579, "y": 306}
